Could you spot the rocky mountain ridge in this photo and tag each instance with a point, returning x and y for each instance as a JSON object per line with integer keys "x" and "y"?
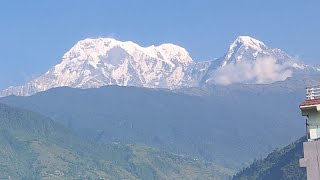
{"x": 93, "y": 63}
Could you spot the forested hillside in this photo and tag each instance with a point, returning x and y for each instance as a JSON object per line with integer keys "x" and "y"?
{"x": 282, "y": 164}
{"x": 35, "y": 147}
{"x": 230, "y": 126}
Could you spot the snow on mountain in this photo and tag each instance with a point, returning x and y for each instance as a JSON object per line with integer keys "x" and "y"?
{"x": 93, "y": 63}
{"x": 97, "y": 62}
{"x": 251, "y": 61}
{"x": 245, "y": 48}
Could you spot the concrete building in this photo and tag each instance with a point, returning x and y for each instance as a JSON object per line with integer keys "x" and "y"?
{"x": 311, "y": 148}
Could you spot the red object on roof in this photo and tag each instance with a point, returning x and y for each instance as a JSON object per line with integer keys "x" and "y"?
{"x": 310, "y": 102}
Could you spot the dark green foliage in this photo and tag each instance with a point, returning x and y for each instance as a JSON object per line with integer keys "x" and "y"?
{"x": 35, "y": 147}
{"x": 282, "y": 164}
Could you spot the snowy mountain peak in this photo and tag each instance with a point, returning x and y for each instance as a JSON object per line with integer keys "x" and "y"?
{"x": 249, "y": 42}
{"x": 92, "y": 63}
{"x": 249, "y": 60}
{"x": 174, "y": 52}
{"x": 97, "y": 47}
{"x": 243, "y": 46}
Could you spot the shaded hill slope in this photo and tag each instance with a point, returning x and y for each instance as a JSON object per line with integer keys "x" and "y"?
{"x": 35, "y": 147}
{"x": 230, "y": 126}
{"x": 282, "y": 164}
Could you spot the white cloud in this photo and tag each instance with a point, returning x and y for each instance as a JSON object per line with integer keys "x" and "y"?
{"x": 262, "y": 71}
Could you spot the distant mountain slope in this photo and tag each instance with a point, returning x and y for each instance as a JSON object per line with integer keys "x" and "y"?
{"x": 282, "y": 164}
{"x": 34, "y": 147}
{"x": 98, "y": 62}
{"x": 230, "y": 125}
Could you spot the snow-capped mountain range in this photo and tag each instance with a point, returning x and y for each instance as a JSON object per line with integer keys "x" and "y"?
{"x": 93, "y": 63}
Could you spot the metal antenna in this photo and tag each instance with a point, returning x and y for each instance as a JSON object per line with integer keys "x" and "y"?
{"x": 307, "y": 129}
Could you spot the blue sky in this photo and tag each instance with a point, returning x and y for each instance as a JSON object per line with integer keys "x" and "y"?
{"x": 35, "y": 34}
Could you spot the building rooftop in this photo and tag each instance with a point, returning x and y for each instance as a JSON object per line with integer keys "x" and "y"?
{"x": 310, "y": 102}
{"x": 312, "y": 96}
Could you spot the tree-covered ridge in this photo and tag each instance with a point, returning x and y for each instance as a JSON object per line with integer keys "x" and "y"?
{"x": 34, "y": 147}
{"x": 280, "y": 164}
{"x": 215, "y": 124}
